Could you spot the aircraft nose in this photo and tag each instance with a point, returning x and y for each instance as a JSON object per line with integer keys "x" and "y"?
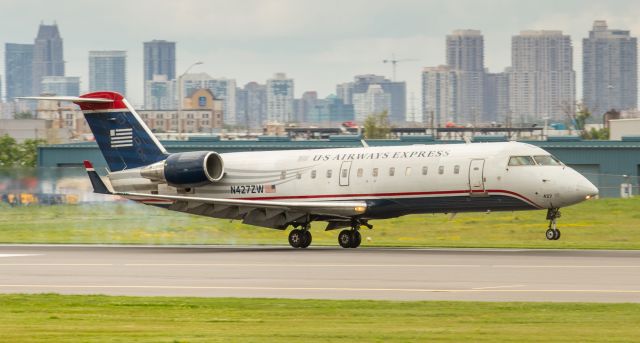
{"x": 586, "y": 189}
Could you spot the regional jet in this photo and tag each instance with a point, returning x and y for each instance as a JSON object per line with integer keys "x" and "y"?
{"x": 346, "y": 188}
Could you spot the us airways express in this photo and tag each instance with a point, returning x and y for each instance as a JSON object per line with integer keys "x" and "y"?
{"x": 346, "y": 188}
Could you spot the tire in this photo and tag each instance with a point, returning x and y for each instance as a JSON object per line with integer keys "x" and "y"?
{"x": 306, "y": 239}
{"x": 344, "y": 238}
{"x": 295, "y": 238}
{"x": 557, "y": 235}
{"x": 550, "y": 234}
{"x": 356, "y": 239}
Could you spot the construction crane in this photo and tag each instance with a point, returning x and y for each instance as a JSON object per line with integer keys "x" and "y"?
{"x": 395, "y": 61}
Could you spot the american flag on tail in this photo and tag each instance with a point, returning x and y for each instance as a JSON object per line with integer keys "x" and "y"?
{"x": 121, "y": 138}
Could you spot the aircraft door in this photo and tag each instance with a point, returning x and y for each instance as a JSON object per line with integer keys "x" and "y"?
{"x": 476, "y": 177}
{"x": 345, "y": 170}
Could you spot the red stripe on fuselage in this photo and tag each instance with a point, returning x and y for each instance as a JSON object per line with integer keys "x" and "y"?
{"x": 362, "y": 195}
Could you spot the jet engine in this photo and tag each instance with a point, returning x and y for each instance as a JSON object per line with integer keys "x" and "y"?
{"x": 186, "y": 169}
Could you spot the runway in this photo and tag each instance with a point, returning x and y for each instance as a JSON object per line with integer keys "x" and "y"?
{"x": 324, "y": 272}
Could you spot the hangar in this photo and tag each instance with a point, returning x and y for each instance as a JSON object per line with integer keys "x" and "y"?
{"x": 607, "y": 164}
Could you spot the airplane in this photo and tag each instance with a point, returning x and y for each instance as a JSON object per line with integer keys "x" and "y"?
{"x": 347, "y": 187}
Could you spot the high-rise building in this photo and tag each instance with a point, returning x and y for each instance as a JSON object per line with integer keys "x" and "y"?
{"x": 280, "y": 99}
{"x": 396, "y": 90}
{"x": 18, "y": 64}
{"x": 256, "y": 104}
{"x": 609, "y": 70}
{"x": 108, "y": 71}
{"x": 160, "y": 94}
{"x": 374, "y": 101}
{"x": 344, "y": 92}
{"x": 222, "y": 88}
{"x": 465, "y": 56}
{"x": 496, "y": 97}
{"x": 48, "y": 59}
{"x": 439, "y": 95}
{"x": 542, "y": 79}
{"x": 61, "y": 85}
{"x": 307, "y": 103}
{"x": 159, "y": 59}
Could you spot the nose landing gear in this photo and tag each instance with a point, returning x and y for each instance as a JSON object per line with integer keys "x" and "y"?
{"x": 553, "y": 234}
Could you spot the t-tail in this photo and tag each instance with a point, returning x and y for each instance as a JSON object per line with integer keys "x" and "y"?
{"x": 124, "y": 139}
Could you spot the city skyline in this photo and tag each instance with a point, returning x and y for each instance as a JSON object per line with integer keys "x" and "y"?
{"x": 318, "y": 48}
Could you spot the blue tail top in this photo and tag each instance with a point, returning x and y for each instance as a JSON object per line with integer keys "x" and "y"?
{"x": 124, "y": 139}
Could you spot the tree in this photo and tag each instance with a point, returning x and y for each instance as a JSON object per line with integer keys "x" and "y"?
{"x": 9, "y": 151}
{"x": 377, "y": 126}
{"x": 28, "y": 152}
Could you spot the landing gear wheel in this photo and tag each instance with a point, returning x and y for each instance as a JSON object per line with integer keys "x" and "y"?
{"x": 557, "y": 236}
{"x": 306, "y": 239}
{"x": 551, "y": 234}
{"x": 356, "y": 239}
{"x": 296, "y": 238}
{"x": 344, "y": 238}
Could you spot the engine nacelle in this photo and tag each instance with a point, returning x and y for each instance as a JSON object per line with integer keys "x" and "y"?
{"x": 187, "y": 169}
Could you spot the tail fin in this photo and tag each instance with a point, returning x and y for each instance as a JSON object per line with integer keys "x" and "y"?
{"x": 124, "y": 139}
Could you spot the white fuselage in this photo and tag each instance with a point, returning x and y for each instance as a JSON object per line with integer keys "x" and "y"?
{"x": 395, "y": 180}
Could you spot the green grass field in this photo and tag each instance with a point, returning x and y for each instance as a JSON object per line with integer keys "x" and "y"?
{"x": 596, "y": 224}
{"x": 57, "y": 318}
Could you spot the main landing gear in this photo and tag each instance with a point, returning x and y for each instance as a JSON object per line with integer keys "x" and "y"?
{"x": 553, "y": 234}
{"x": 352, "y": 238}
{"x": 300, "y": 238}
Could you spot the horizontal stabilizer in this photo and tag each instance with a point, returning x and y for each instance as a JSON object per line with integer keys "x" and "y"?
{"x": 75, "y": 99}
{"x": 97, "y": 183}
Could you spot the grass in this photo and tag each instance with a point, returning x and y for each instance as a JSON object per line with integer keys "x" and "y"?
{"x": 58, "y": 318}
{"x": 596, "y": 224}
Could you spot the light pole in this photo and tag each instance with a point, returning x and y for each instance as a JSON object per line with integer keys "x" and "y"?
{"x": 181, "y": 97}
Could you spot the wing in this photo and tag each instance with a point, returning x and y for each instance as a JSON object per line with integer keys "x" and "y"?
{"x": 272, "y": 214}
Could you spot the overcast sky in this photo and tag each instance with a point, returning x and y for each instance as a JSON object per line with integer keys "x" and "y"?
{"x": 318, "y": 43}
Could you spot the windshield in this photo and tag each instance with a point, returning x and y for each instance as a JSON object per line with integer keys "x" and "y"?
{"x": 521, "y": 161}
{"x": 547, "y": 160}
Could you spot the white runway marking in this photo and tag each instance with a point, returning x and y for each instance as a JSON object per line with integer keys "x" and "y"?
{"x": 329, "y": 289}
{"x": 496, "y": 287}
{"x": 18, "y": 255}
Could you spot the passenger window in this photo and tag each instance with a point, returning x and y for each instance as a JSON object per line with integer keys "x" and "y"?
{"x": 299, "y": 175}
{"x": 425, "y": 170}
{"x": 360, "y": 171}
{"x": 329, "y": 172}
{"x": 392, "y": 171}
{"x": 547, "y": 160}
{"x": 407, "y": 171}
{"x": 283, "y": 175}
{"x": 441, "y": 170}
{"x": 375, "y": 172}
{"x": 521, "y": 161}
{"x": 456, "y": 170}
{"x": 313, "y": 174}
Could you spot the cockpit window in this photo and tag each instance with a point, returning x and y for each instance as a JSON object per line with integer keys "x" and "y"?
{"x": 521, "y": 161}
{"x": 547, "y": 160}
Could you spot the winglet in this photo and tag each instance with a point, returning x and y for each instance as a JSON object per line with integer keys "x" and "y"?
{"x": 97, "y": 183}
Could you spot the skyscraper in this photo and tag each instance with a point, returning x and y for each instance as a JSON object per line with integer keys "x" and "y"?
{"x": 496, "y": 97}
{"x": 160, "y": 94}
{"x": 439, "y": 95}
{"x": 256, "y": 104}
{"x": 159, "y": 59}
{"x": 375, "y": 100}
{"x": 280, "y": 99}
{"x": 541, "y": 80}
{"x": 465, "y": 56}
{"x": 61, "y": 85}
{"x": 48, "y": 59}
{"x": 108, "y": 71}
{"x": 18, "y": 64}
{"x": 397, "y": 91}
{"x": 609, "y": 70}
